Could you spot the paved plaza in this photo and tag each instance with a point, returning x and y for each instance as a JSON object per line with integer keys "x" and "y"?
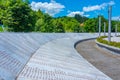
{"x": 45, "y": 56}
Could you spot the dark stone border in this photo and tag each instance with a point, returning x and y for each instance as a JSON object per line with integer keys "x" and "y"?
{"x": 82, "y": 41}
{"x": 111, "y": 48}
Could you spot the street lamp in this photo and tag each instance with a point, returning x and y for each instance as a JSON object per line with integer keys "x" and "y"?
{"x": 109, "y": 23}
{"x": 99, "y": 25}
{"x": 118, "y": 23}
{"x": 116, "y": 26}
{"x": 116, "y": 29}
{"x": 104, "y": 29}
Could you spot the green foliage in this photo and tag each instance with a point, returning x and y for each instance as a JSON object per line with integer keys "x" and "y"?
{"x": 118, "y": 26}
{"x": 69, "y": 24}
{"x": 43, "y": 23}
{"x": 113, "y": 26}
{"x": 18, "y": 16}
{"x": 1, "y": 30}
{"x": 39, "y": 24}
{"x": 102, "y": 23}
{"x": 46, "y": 23}
{"x": 91, "y": 25}
{"x": 57, "y": 25}
{"x": 101, "y": 40}
{"x": 80, "y": 18}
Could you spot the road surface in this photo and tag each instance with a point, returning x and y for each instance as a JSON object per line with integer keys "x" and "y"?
{"x": 105, "y": 61}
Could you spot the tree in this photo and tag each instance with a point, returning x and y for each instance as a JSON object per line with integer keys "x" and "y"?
{"x": 18, "y": 16}
{"x": 80, "y": 18}
{"x": 68, "y": 24}
{"x": 43, "y": 23}
{"x": 113, "y": 25}
{"x": 57, "y": 25}
{"x": 39, "y": 24}
{"x": 102, "y": 23}
{"x": 90, "y": 25}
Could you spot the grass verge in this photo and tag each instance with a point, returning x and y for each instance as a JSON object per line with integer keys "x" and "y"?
{"x": 112, "y": 43}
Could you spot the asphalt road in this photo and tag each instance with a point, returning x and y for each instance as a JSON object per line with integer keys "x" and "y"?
{"x": 105, "y": 61}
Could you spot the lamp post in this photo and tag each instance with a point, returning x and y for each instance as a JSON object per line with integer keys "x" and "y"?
{"x": 99, "y": 25}
{"x": 116, "y": 29}
{"x": 116, "y": 26}
{"x": 118, "y": 22}
{"x": 104, "y": 29}
{"x": 109, "y": 23}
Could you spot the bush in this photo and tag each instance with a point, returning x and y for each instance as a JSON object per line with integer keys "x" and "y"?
{"x": 1, "y": 30}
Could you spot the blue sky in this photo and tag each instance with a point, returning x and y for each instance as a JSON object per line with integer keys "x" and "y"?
{"x": 88, "y": 8}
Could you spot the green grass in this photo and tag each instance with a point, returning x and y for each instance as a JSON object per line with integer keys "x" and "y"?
{"x": 101, "y": 40}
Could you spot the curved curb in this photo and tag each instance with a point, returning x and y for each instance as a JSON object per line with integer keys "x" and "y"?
{"x": 76, "y": 43}
{"x": 108, "y": 47}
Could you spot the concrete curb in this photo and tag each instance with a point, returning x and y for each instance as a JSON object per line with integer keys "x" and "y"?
{"x": 108, "y": 47}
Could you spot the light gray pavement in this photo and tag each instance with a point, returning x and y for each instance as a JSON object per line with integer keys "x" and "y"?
{"x": 38, "y": 56}
{"x": 58, "y": 60}
{"x": 102, "y": 59}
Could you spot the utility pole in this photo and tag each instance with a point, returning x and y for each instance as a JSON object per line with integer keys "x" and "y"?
{"x": 104, "y": 29}
{"x": 99, "y": 25}
{"x": 116, "y": 29}
{"x": 109, "y": 22}
{"x": 118, "y": 23}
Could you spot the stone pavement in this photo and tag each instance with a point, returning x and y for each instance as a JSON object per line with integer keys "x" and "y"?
{"x": 45, "y": 56}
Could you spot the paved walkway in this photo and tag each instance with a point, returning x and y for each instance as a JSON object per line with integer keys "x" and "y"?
{"x": 103, "y": 60}
{"x": 45, "y": 56}
{"x": 58, "y": 60}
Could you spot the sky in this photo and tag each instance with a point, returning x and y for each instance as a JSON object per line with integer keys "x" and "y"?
{"x": 88, "y": 8}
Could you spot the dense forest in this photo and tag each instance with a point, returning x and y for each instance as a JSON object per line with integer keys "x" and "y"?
{"x": 17, "y": 16}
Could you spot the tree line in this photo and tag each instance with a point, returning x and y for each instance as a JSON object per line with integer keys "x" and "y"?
{"x": 17, "y": 16}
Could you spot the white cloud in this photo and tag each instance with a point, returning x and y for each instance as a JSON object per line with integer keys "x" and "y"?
{"x": 116, "y": 18}
{"x": 51, "y": 8}
{"x": 111, "y": 3}
{"x": 97, "y": 7}
{"x": 86, "y": 15}
{"x": 91, "y": 8}
{"x": 72, "y": 14}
